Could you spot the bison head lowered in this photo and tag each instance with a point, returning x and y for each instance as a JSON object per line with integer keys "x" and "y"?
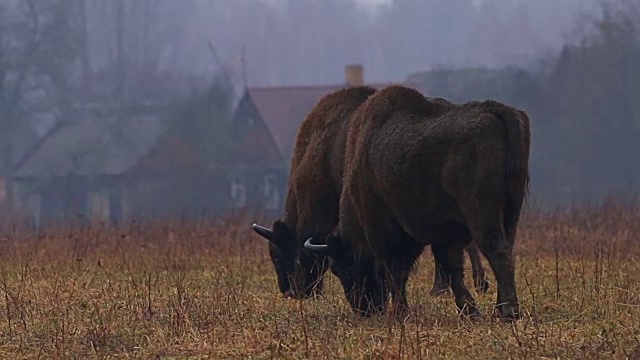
{"x": 364, "y": 288}
{"x": 299, "y": 272}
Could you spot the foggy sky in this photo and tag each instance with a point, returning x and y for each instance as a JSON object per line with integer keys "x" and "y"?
{"x": 311, "y": 41}
{"x": 287, "y": 42}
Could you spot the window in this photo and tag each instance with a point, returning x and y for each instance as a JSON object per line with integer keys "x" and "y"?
{"x": 99, "y": 206}
{"x": 3, "y": 190}
{"x": 238, "y": 192}
{"x": 270, "y": 192}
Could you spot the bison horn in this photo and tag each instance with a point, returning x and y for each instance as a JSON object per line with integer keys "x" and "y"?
{"x": 263, "y": 231}
{"x": 315, "y": 247}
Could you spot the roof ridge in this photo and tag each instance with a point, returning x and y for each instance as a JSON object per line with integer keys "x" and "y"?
{"x": 58, "y": 126}
{"x": 327, "y": 86}
{"x": 290, "y": 87}
{"x": 283, "y": 108}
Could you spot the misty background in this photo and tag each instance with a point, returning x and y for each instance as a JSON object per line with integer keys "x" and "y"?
{"x": 571, "y": 64}
{"x": 285, "y": 42}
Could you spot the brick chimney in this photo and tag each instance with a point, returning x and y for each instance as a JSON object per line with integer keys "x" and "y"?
{"x": 354, "y": 75}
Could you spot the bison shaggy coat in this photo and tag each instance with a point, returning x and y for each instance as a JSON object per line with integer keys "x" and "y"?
{"x": 313, "y": 193}
{"x": 423, "y": 172}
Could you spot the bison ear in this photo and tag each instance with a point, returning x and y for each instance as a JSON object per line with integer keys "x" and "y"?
{"x": 263, "y": 231}
{"x": 280, "y": 227}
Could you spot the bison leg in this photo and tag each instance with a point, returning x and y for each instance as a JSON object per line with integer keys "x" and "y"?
{"x": 441, "y": 281}
{"x": 369, "y": 293}
{"x": 479, "y": 277}
{"x": 451, "y": 258}
{"x": 496, "y": 248}
{"x": 404, "y": 259}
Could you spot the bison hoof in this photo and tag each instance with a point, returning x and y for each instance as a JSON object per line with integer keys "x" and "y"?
{"x": 470, "y": 311}
{"x": 508, "y": 312}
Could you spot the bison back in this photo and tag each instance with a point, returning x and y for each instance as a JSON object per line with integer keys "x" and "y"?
{"x": 314, "y": 188}
{"x": 425, "y": 161}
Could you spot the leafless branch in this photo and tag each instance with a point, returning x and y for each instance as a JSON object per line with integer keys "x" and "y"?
{"x": 26, "y": 62}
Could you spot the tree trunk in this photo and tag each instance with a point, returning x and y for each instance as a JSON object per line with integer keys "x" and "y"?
{"x": 84, "y": 51}
{"x": 146, "y": 31}
{"x": 120, "y": 56}
{"x": 8, "y": 176}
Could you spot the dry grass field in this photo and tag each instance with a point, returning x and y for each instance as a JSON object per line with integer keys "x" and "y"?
{"x": 205, "y": 290}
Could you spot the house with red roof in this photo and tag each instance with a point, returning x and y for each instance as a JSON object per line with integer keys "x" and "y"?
{"x": 266, "y": 122}
{"x": 113, "y": 165}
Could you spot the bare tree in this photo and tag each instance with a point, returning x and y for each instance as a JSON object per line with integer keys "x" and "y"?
{"x": 134, "y": 48}
{"x": 32, "y": 56}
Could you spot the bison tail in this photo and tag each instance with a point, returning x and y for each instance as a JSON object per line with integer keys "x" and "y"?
{"x": 517, "y": 162}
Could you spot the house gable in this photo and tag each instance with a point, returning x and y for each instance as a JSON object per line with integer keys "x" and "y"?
{"x": 255, "y": 144}
{"x": 283, "y": 109}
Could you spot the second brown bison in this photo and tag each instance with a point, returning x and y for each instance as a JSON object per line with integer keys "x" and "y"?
{"x": 313, "y": 194}
{"x": 422, "y": 172}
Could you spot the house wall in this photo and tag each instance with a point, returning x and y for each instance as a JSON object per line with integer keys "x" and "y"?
{"x": 258, "y": 189}
{"x": 98, "y": 204}
{"x": 112, "y": 200}
{"x": 172, "y": 197}
{"x": 33, "y": 207}
{"x": 257, "y": 171}
{"x": 64, "y": 199}
{"x": 3, "y": 189}
{"x": 116, "y": 199}
{"x": 28, "y": 210}
{"x": 52, "y": 200}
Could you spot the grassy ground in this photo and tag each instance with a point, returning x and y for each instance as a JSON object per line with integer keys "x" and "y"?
{"x": 208, "y": 291}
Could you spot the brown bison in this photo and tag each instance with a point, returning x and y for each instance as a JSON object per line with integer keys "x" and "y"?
{"x": 423, "y": 172}
{"x": 313, "y": 193}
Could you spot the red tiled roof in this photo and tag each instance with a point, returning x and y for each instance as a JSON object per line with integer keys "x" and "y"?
{"x": 284, "y": 108}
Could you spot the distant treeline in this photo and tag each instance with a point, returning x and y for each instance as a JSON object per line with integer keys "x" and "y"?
{"x": 584, "y": 107}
